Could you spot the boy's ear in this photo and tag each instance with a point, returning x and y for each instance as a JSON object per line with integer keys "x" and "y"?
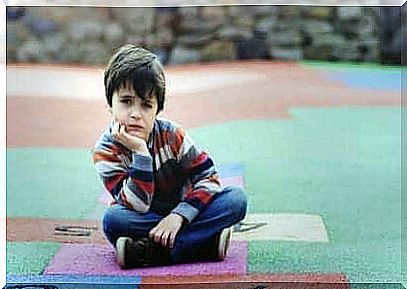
{"x": 109, "y": 108}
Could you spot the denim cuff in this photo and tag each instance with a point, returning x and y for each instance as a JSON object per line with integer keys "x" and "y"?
{"x": 186, "y": 210}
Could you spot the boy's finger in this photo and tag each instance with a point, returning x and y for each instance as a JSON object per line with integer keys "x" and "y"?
{"x": 151, "y": 234}
{"x": 114, "y": 128}
{"x": 121, "y": 128}
{"x": 164, "y": 239}
{"x": 157, "y": 236}
{"x": 172, "y": 240}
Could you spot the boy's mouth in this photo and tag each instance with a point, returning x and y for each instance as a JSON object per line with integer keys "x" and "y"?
{"x": 134, "y": 127}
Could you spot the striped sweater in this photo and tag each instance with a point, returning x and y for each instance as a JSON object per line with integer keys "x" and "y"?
{"x": 177, "y": 177}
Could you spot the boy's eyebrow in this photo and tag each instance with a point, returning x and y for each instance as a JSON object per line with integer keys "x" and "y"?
{"x": 127, "y": 96}
{"x": 148, "y": 100}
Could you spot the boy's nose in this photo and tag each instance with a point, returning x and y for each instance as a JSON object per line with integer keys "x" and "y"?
{"x": 135, "y": 113}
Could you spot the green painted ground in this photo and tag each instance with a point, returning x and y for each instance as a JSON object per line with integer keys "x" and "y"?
{"x": 341, "y": 163}
{"x": 346, "y": 66}
{"x": 50, "y": 183}
{"x": 29, "y": 257}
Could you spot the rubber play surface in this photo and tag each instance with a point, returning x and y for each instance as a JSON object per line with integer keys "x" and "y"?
{"x": 317, "y": 147}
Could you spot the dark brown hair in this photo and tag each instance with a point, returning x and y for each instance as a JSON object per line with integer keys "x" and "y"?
{"x": 140, "y": 68}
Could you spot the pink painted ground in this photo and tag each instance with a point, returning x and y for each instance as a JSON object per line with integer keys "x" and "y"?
{"x": 42, "y": 115}
{"x": 90, "y": 259}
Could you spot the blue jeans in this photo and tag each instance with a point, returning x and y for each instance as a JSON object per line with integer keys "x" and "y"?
{"x": 226, "y": 209}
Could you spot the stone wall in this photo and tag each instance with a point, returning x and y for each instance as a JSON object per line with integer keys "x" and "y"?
{"x": 88, "y": 35}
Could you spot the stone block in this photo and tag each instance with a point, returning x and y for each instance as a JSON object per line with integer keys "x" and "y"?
{"x": 367, "y": 28}
{"x": 286, "y": 53}
{"x": 198, "y": 26}
{"x": 11, "y": 54}
{"x": 218, "y": 51}
{"x": 39, "y": 26}
{"x": 195, "y": 40}
{"x": 31, "y": 51}
{"x": 113, "y": 32}
{"x": 369, "y": 50}
{"x": 252, "y": 49}
{"x": 236, "y": 10}
{"x": 324, "y": 53}
{"x": 17, "y": 33}
{"x": 189, "y": 12}
{"x": 15, "y": 13}
{"x": 347, "y": 27}
{"x": 94, "y": 53}
{"x": 266, "y": 24}
{"x": 213, "y": 12}
{"x": 285, "y": 12}
{"x": 349, "y": 12}
{"x": 136, "y": 20}
{"x": 55, "y": 43}
{"x": 165, "y": 20}
{"x": 318, "y": 12}
{"x": 286, "y": 38}
{"x": 347, "y": 52}
{"x": 244, "y": 22}
{"x": 286, "y": 25}
{"x": 162, "y": 38}
{"x": 326, "y": 47}
{"x": 70, "y": 53}
{"x": 329, "y": 40}
{"x": 65, "y": 14}
{"x": 181, "y": 55}
{"x": 261, "y": 10}
{"x": 312, "y": 27}
{"x": 82, "y": 30}
{"x": 234, "y": 33}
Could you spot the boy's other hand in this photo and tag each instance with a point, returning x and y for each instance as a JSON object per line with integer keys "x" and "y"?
{"x": 133, "y": 143}
{"x": 166, "y": 230}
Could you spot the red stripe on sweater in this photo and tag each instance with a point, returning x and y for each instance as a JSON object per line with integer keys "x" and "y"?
{"x": 203, "y": 196}
{"x": 112, "y": 182}
{"x": 147, "y": 187}
{"x": 124, "y": 200}
{"x": 200, "y": 159}
{"x": 162, "y": 139}
{"x": 179, "y": 140}
{"x": 105, "y": 156}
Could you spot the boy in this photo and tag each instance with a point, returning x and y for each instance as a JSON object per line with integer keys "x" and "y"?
{"x": 169, "y": 205}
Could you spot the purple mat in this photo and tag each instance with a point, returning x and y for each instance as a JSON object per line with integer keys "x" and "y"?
{"x": 90, "y": 259}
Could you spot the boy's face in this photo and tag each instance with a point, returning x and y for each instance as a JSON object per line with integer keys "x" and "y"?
{"x": 136, "y": 114}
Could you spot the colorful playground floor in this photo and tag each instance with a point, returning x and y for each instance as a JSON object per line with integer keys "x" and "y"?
{"x": 316, "y": 146}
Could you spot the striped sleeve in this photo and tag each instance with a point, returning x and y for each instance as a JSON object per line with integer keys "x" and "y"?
{"x": 202, "y": 173}
{"x": 131, "y": 185}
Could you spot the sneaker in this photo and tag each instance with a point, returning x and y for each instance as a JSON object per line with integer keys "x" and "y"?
{"x": 142, "y": 252}
{"x": 223, "y": 240}
{"x": 216, "y": 249}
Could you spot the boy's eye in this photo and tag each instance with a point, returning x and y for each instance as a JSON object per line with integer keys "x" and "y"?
{"x": 147, "y": 104}
{"x": 126, "y": 101}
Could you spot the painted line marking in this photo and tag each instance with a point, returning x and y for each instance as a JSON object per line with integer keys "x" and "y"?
{"x": 282, "y": 227}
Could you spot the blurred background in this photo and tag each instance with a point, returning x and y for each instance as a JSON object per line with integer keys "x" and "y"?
{"x": 180, "y": 35}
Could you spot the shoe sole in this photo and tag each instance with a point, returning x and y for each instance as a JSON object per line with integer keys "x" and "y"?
{"x": 223, "y": 246}
{"x": 121, "y": 245}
